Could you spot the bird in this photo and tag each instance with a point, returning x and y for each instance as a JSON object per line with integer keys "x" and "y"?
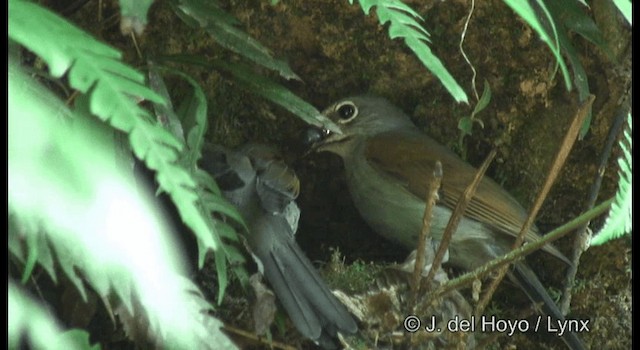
{"x": 387, "y": 161}
{"x": 257, "y": 181}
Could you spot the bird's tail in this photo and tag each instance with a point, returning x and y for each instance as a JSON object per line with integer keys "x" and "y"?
{"x": 311, "y": 305}
{"x": 530, "y": 284}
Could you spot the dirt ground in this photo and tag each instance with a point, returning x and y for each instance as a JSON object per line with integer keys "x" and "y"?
{"x": 338, "y": 51}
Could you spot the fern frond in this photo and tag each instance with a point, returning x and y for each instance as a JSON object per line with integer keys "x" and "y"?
{"x": 165, "y": 114}
{"x": 222, "y": 27}
{"x": 95, "y": 68}
{"x": 27, "y": 319}
{"x": 624, "y": 6}
{"x": 65, "y": 190}
{"x": 192, "y": 116}
{"x": 570, "y": 16}
{"x": 206, "y": 331}
{"x": 525, "y": 10}
{"x": 620, "y": 216}
{"x": 264, "y": 87}
{"x": 404, "y": 24}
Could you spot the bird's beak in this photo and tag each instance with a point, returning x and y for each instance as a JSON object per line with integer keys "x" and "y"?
{"x": 319, "y": 140}
{"x": 315, "y": 137}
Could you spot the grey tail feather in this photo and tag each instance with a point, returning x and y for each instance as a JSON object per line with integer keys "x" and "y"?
{"x": 312, "y": 307}
{"x": 530, "y": 284}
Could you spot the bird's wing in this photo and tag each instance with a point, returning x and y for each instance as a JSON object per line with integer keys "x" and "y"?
{"x": 410, "y": 158}
{"x": 215, "y": 160}
{"x": 256, "y": 179}
{"x": 276, "y": 184}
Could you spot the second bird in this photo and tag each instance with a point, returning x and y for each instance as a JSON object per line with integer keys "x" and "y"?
{"x": 258, "y": 182}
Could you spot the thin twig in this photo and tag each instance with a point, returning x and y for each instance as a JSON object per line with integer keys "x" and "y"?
{"x": 457, "y": 215}
{"x": 454, "y": 220}
{"x": 524, "y": 250}
{"x": 72, "y": 98}
{"x": 425, "y": 233}
{"x": 556, "y": 165}
{"x": 135, "y": 44}
{"x": 582, "y": 236}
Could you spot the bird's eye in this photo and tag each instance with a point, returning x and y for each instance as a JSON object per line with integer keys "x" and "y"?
{"x": 347, "y": 111}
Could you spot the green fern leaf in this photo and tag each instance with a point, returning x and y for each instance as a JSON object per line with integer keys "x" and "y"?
{"x": 205, "y": 179}
{"x": 620, "y": 217}
{"x": 209, "y": 199}
{"x": 264, "y": 87}
{"x": 63, "y": 184}
{"x": 570, "y": 16}
{"x": 404, "y": 24}
{"x": 80, "y": 338}
{"x": 95, "y": 68}
{"x": 222, "y": 27}
{"x": 625, "y": 8}
{"x": 165, "y": 114}
{"x": 27, "y": 319}
{"x": 525, "y": 10}
{"x": 194, "y": 118}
